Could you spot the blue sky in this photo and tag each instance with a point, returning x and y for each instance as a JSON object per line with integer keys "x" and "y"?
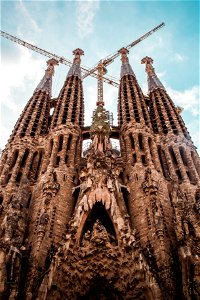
{"x": 100, "y": 28}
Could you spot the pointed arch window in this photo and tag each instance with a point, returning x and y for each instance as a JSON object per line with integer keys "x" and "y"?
{"x": 99, "y": 214}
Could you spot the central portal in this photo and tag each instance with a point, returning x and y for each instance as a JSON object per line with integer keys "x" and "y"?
{"x": 100, "y": 289}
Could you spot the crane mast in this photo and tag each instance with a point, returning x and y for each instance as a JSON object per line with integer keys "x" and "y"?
{"x": 101, "y": 66}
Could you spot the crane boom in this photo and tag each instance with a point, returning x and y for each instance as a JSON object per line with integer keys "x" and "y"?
{"x": 36, "y": 49}
{"x": 60, "y": 59}
{"x": 110, "y": 58}
{"x": 99, "y": 68}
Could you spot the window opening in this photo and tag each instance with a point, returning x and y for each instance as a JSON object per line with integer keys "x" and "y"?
{"x": 24, "y": 158}
{"x": 125, "y": 197}
{"x": 163, "y": 162}
{"x": 140, "y": 141}
{"x": 69, "y": 141}
{"x": 132, "y": 141}
{"x": 60, "y": 143}
{"x": 171, "y": 151}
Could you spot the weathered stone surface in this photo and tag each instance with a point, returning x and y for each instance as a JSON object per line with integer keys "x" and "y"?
{"x": 100, "y": 223}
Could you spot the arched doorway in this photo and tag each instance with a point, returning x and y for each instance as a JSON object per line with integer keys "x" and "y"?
{"x": 100, "y": 289}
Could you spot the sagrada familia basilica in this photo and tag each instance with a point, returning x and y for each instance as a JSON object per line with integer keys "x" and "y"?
{"x": 102, "y": 223}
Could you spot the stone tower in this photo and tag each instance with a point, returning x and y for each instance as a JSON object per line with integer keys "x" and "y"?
{"x": 102, "y": 223}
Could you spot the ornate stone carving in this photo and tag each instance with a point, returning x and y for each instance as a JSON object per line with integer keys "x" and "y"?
{"x": 50, "y": 186}
{"x": 151, "y": 183}
{"x": 13, "y": 225}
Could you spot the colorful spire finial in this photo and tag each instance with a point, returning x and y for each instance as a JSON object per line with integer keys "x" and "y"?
{"x": 45, "y": 84}
{"x": 75, "y": 69}
{"x": 124, "y": 57}
{"x": 125, "y": 68}
{"x": 153, "y": 81}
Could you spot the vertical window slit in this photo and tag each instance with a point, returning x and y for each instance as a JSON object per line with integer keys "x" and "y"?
{"x": 38, "y": 165}
{"x": 132, "y": 141}
{"x": 140, "y": 141}
{"x": 60, "y": 144}
{"x": 163, "y": 162}
{"x": 143, "y": 160}
{"x": 174, "y": 160}
{"x": 19, "y": 176}
{"x": 14, "y": 158}
{"x": 69, "y": 141}
{"x": 24, "y": 158}
{"x": 151, "y": 149}
{"x": 51, "y": 146}
{"x": 125, "y": 197}
{"x": 134, "y": 160}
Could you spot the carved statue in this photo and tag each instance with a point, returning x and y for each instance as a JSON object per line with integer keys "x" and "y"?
{"x": 150, "y": 182}
{"x": 86, "y": 239}
{"x": 99, "y": 234}
{"x": 197, "y": 201}
{"x": 44, "y": 219}
{"x": 50, "y": 187}
{"x": 11, "y": 225}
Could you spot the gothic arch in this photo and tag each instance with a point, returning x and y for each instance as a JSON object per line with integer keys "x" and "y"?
{"x": 98, "y": 212}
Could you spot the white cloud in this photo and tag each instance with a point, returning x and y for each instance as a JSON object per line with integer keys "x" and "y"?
{"x": 188, "y": 99}
{"x": 86, "y": 11}
{"x": 193, "y": 128}
{"x": 161, "y": 74}
{"x": 28, "y": 16}
{"x": 16, "y": 77}
{"x": 178, "y": 57}
{"x": 16, "y": 74}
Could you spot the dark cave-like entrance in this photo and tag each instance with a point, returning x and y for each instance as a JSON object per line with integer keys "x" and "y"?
{"x": 100, "y": 289}
{"x": 99, "y": 212}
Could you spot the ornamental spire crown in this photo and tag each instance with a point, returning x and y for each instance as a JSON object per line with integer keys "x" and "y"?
{"x": 100, "y": 128}
{"x": 45, "y": 84}
{"x": 153, "y": 80}
{"x": 126, "y": 67}
{"x": 100, "y": 121}
{"x": 75, "y": 69}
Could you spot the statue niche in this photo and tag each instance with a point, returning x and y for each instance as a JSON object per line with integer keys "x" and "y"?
{"x": 98, "y": 228}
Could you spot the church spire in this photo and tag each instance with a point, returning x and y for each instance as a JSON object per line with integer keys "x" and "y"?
{"x": 45, "y": 84}
{"x": 75, "y": 68}
{"x": 153, "y": 81}
{"x": 126, "y": 67}
{"x": 70, "y": 104}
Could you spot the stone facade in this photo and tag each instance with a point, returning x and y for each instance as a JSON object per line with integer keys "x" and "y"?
{"x": 100, "y": 223}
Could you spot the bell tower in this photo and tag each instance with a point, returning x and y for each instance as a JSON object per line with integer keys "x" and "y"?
{"x": 53, "y": 203}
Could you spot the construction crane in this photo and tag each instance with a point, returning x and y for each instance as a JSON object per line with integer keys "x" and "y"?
{"x": 100, "y": 67}
{"x": 60, "y": 59}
